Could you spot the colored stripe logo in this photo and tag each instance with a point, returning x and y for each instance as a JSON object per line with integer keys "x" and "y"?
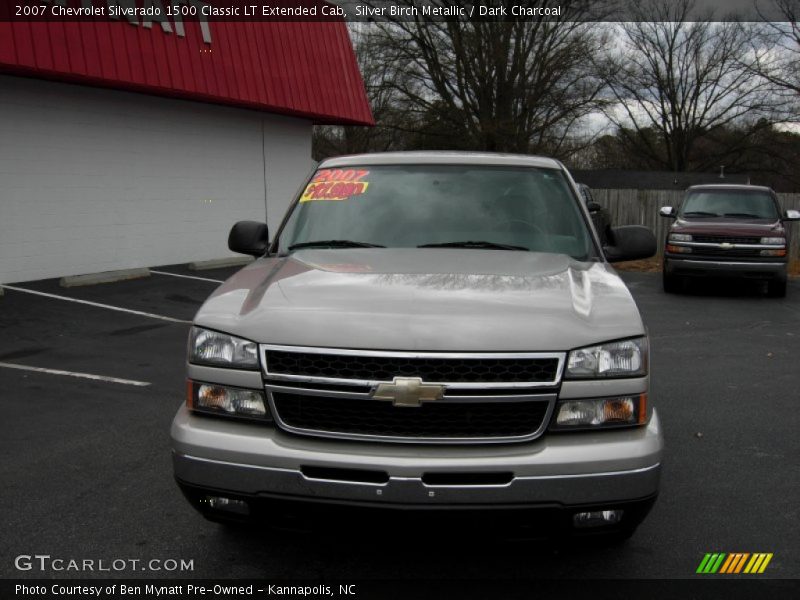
{"x": 734, "y": 563}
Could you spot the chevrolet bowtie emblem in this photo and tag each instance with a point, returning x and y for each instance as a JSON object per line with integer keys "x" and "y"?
{"x": 726, "y": 245}
{"x": 408, "y": 391}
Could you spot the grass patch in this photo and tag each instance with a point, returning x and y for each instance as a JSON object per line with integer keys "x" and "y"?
{"x": 646, "y": 265}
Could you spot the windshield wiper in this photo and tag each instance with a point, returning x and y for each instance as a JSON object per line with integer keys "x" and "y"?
{"x": 699, "y": 213}
{"x": 334, "y": 244}
{"x": 484, "y": 245}
{"x": 743, "y": 215}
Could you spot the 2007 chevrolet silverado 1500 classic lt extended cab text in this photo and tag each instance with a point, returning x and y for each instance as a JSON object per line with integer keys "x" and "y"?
{"x": 425, "y": 331}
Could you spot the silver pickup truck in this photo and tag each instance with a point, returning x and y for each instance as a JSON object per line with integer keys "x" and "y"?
{"x": 425, "y": 331}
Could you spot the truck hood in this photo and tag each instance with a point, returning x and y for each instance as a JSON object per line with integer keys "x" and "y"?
{"x": 729, "y": 226}
{"x": 424, "y": 299}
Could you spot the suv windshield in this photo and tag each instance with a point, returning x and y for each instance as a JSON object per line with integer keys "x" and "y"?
{"x": 408, "y": 206}
{"x": 744, "y": 204}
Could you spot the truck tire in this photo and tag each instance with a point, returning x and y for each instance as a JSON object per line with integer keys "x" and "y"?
{"x": 776, "y": 288}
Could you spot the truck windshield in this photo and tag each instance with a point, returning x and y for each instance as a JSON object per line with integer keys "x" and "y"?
{"x": 409, "y": 206}
{"x": 741, "y": 204}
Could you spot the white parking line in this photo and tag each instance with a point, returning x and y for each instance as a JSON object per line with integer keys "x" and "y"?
{"x": 97, "y": 304}
{"x": 74, "y": 374}
{"x": 186, "y": 276}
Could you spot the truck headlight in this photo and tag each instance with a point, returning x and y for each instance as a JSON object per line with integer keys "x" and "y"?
{"x": 225, "y": 400}
{"x": 680, "y": 237}
{"x": 600, "y": 412}
{"x": 217, "y": 349}
{"x": 625, "y": 358}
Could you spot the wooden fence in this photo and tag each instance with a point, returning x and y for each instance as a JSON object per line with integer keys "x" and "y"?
{"x": 640, "y": 207}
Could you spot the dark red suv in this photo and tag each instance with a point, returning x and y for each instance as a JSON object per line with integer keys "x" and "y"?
{"x": 728, "y": 231}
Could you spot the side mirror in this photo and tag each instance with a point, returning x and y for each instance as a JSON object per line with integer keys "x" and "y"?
{"x": 631, "y": 242}
{"x": 249, "y": 237}
{"x": 792, "y": 215}
{"x": 667, "y": 211}
{"x": 593, "y": 206}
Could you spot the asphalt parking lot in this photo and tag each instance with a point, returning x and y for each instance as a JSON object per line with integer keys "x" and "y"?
{"x": 87, "y": 473}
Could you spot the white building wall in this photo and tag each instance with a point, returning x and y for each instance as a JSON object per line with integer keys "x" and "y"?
{"x": 96, "y": 180}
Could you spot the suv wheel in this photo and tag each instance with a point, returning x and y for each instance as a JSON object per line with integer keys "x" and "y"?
{"x": 672, "y": 284}
{"x": 776, "y": 288}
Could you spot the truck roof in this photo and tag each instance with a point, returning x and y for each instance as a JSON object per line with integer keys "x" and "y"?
{"x": 731, "y": 186}
{"x": 442, "y": 158}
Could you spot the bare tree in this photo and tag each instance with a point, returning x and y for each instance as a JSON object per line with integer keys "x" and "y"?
{"x": 500, "y": 85}
{"x": 378, "y": 74}
{"x": 678, "y": 78}
{"x": 777, "y": 53}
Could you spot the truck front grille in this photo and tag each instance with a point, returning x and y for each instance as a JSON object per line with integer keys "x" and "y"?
{"x": 442, "y": 421}
{"x": 365, "y": 394}
{"x": 481, "y": 369}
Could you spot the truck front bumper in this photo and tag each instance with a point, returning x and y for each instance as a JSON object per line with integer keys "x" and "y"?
{"x": 252, "y": 463}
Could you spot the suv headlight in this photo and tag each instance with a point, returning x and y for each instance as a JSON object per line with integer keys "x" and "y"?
{"x": 680, "y": 237}
{"x": 773, "y": 241}
{"x": 217, "y": 349}
{"x": 625, "y": 358}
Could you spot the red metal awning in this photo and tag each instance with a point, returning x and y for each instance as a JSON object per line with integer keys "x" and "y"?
{"x": 304, "y": 69}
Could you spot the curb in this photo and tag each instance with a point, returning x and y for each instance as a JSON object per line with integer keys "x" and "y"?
{"x": 218, "y": 263}
{"x": 103, "y": 277}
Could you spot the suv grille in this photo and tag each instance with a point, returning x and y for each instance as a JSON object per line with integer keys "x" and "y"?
{"x": 728, "y": 252}
{"x": 491, "y": 419}
{"x": 385, "y": 368}
{"x": 719, "y": 239}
